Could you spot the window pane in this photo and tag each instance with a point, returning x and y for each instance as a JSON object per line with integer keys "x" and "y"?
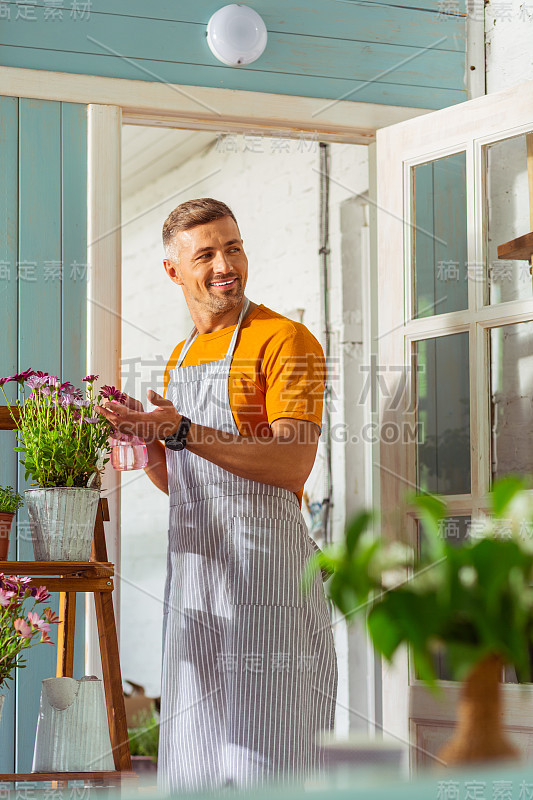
{"x": 440, "y": 256}
{"x": 443, "y": 409}
{"x": 507, "y": 204}
{"x": 455, "y": 530}
{"x": 511, "y": 357}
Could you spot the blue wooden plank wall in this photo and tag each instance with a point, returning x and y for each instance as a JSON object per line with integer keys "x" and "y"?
{"x": 409, "y": 53}
{"x": 43, "y": 298}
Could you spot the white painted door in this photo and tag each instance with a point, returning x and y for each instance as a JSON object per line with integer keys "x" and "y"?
{"x": 455, "y": 346}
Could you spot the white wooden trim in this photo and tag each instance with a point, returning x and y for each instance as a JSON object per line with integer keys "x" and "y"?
{"x": 469, "y": 126}
{"x": 457, "y": 321}
{"x": 104, "y": 308}
{"x": 488, "y": 118}
{"x": 203, "y": 108}
{"x": 425, "y": 707}
{"x": 475, "y": 52}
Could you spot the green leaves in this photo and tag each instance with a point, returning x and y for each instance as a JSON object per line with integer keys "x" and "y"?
{"x": 58, "y": 446}
{"x": 504, "y": 491}
{"x": 467, "y": 599}
{"x": 10, "y": 500}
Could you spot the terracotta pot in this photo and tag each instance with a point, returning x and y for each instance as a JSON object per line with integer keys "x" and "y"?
{"x": 5, "y": 529}
{"x": 479, "y": 735}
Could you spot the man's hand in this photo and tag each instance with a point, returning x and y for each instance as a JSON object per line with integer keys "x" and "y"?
{"x": 130, "y": 418}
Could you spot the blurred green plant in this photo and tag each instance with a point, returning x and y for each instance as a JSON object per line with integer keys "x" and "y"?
{"x": 10, "y": 500}
{"x": 144, "y": 735}
{"x": 471, "y": 599}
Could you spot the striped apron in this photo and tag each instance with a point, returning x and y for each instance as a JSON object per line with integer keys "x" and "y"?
{"x": 249, "y": 671}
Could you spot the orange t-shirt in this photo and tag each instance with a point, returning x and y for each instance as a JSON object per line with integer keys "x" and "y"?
{"x": 278, "y": 370}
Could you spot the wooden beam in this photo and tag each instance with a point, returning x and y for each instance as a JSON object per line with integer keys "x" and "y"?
{"x": 236, "y": 111}
{"x": 114, "y": 694}
{"x": 517, "y": 249}
{"x": 76, "y": 584}
{"x": 6, "y": 420}
{"x": 65, "y": 636}
{"x": 70, "y": 568}
{"x": 13, "y": 777}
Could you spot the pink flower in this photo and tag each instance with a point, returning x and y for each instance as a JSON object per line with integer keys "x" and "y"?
{"x": 54, "y": 382}
{"x": 23, "y": 629}
{"x": 90, "y": 378}
{"x": 112, "y": 393}
{"x": 67, "y": 400}
{"x": 45, "y": 639}
{"x": 38, "y": 623}
{"x": 6, "y": 597}
{"x": 19, "y": 377}
{"x": 51, "y": 616}
{"x": 36, "y": 381}
{"x": 41, "y": 594}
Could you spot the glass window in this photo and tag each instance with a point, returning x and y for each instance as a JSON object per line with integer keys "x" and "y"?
{"x": 507, "y": 209}
{"x": 443, "y": 414}
{"x": 511, "y": 362}
{"x": 439, "y": 236}
{"x": 455, "y": 530}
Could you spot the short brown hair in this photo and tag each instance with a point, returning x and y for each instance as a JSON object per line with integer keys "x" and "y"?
{"x": 192, "y": 213}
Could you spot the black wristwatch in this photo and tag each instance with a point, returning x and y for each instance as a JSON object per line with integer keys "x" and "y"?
{"x": 178, "y": 440}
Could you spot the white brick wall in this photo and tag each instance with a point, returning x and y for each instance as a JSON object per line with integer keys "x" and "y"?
{"x": 272, "y": 186}
{"x": 508, "y": 34}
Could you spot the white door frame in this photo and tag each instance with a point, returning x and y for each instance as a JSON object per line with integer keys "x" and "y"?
{"x": 113, "y": 101}
{"x": 469, "y": 127}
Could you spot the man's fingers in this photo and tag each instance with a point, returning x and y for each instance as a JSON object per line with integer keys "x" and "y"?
{"x": 116, "y": 408}
{"x": 156, "y": 399}
{"x": 131, "y": 402}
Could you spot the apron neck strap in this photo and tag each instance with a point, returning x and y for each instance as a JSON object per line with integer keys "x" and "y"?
{"x": 229, "y": 355}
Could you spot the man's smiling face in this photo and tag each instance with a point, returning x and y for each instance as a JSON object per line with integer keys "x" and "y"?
{"x": 210, "y": 265}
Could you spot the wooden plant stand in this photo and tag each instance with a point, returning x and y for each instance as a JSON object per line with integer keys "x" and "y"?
{"x": 70, "y": 577}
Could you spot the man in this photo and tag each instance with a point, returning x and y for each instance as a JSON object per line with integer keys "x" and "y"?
{"x": 249, "y": 672}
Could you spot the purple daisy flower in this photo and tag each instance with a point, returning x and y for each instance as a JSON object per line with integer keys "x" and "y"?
{"x": 67, "y": 400}
{"x": 23, "y": 376}
{"x": 19, "y": 377}
{"x": 90, "y": 378}
{"x": 112, "y": 393}
{"x": 36, "y": 381}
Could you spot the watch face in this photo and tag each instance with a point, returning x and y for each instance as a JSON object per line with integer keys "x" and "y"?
{"x": 173, "y": 443}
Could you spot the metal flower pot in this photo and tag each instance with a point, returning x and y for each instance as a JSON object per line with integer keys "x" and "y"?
{"x": 62, "y": 522}
{"x": 72, "y": 729}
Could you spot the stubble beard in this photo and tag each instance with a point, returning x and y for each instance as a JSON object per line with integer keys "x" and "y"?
{"x": 220, "y": 304}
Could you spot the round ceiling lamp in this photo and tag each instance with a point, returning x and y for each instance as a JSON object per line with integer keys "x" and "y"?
{"x": 236, "y": 35}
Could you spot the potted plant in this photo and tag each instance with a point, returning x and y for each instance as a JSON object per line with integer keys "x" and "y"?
{"x": 64, "y": 446}
{"x": 10, "y": 502}
{"x": 144, "y": 741}
{"x": 21, "y": 627}
{"x": 472, "y": 600}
